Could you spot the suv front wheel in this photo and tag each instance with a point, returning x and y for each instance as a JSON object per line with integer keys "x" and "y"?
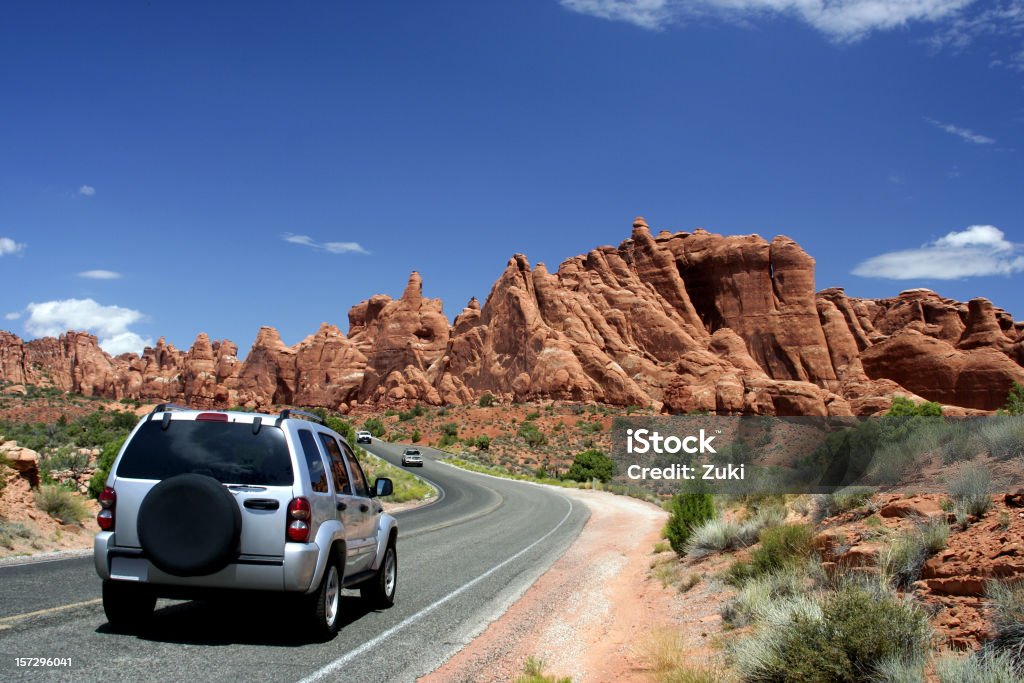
{"x": 128, "y": 606}
{"x": 380, "y": 590}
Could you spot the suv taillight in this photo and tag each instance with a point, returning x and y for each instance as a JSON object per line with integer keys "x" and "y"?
{"x": 108, "y": 501}
{"x": 298, "y": 520}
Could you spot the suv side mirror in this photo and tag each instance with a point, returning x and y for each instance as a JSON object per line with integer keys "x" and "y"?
{"x": 382, "y": 487}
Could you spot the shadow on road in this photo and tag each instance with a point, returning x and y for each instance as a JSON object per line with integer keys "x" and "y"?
{"x": 258, "y": 622}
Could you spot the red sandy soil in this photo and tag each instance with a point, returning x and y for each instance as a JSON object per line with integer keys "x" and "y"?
{"x": 592, "y": 613}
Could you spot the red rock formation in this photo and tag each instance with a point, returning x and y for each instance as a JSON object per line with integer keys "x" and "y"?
{"x": 681, "y": 321}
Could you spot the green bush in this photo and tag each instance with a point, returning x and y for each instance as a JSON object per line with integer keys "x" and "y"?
{"x": 416, "y": 436}
{"x": 487, "y": 400}
{"x": 588, "y": 427}
{"x": 375, "y": 427}
{"x": 530, "y": 433}
{"x": 103, "y": 464}
{"x": 591, "y": 464}
{"x": 482, "y": 442}
{"x": 61, "y": 504}
{"x": 416, "y": 411}
{"x": 782, "y": 546}
{"x": 905, "y": 557}
{"x": 688, "y": 511}
{"x": 1015, "y": 400}
{"x": 904, "y": 407}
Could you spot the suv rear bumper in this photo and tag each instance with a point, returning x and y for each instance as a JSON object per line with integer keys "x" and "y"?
{"x": 294, "y": 572}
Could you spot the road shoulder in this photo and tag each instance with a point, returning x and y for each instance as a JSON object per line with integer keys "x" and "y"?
{"x": 585, "y": 616}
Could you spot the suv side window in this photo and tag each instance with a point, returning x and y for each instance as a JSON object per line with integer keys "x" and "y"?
{"x": 341, "y": 484}
{"x": 314, "y": 462}
{"x": 357, "y": 473}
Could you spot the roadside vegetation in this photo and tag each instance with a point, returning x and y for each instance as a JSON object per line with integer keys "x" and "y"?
{"x": 533, "y": 672}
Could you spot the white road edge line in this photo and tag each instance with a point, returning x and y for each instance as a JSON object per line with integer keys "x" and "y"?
{"x": 408, "y": 621}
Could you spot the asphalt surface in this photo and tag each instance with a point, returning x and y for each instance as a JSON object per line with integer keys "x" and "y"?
{"x": 462, "y": 561}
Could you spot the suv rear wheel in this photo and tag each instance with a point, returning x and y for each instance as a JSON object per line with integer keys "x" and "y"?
{"x": 128, "y": 606}
{"x": 380, "y": 590}
{"x": 324, "y": 606}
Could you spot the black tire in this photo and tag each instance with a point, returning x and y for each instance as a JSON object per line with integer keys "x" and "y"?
{"x": 128, "y": 606}
{"x": 323, "y": 608}
{"x": 189, "y": 525}
{"x": 379, "y": 592}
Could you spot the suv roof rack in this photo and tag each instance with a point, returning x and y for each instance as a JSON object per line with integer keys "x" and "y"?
{"x": 291, "y": 412}
{"x": 167, "y": 407}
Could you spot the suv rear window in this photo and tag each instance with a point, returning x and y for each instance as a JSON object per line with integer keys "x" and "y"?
{"x": 228, "y": 452}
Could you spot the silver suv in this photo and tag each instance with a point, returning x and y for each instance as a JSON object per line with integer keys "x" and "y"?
{"x": 200, "y": 504}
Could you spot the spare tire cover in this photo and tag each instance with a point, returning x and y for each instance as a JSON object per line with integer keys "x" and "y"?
{"x": 189, "y": 525}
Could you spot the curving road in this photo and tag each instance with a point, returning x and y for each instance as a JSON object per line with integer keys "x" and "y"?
{"x": 462, "y": 561}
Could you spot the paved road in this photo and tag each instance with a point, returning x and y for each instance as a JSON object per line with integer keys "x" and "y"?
{"x": 462, "y": 561}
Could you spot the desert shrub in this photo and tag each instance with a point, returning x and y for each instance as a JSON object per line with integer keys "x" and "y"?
{"x": 487, "y": 400}
{"x": 971, "y": 489}
{"x": 12, "y": 530}
{"x": 588, "y": 427}
{"x": 857, "y": 630}
{"x": 688, "y": 511}
{"x": 899, "y": 669}
{"x": 1002, "y": 436}
{"x": 782, "y": 546}
{"x": 986, "y": 666}
{"x": 416, "y": 411}
{"x": 591, "y": 464}
{"x": 761, "y": 597}
{"x": 450, "y": 429}
{"x": 533, "y": 672}
{"x": 103, "y": 464}
{"x": 375, "y": 427}
{"x": 904, "y": 558}
{"x": 532, "y": 416}
{"x": 482, "y": 442}
{"x": 670, "y": 660}
{"x": 831, "y": 504}
{"x": 1007, "y": 603}
{"x": 1015, "y": 400}
{"x": 416, "y": 436}
{"x": 61, "y": 504}
{"x": 64, "y": 458}
{"x": 530, "y": 433}
{"x": 717, "y": 535}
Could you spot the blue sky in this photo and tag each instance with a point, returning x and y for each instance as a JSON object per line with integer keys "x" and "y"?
{"x": 244, "y": 164}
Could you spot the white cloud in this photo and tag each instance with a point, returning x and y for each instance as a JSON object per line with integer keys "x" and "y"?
{"x": 965, "y": 134}
{"x": 652, "y": 14}
{"x": 9, "y": 246}
{"x": 12, "y": 316}
{"x": 843, "y": 20}
{"x": 87, "y": 190}
{"x": 109, "y": 323}
{"x": 977, "y": 251}
{"x": 332, "y": 247}
{"x": 100, "y": 274}
{"x": 1002, "y": 20}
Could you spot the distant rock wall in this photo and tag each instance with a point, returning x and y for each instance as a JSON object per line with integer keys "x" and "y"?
{"x": 680, "y": 321}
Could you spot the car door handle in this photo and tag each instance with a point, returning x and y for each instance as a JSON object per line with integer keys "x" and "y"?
{"x": 342, "y": 506}
{"x": 262, "y": 504}
{"x": 364, "y": 508}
